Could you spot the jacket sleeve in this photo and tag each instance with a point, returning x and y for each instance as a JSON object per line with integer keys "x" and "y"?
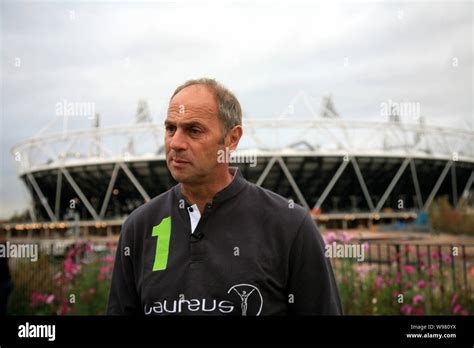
{"x": 123, "y": 296}
{"x": 311, "y": 279}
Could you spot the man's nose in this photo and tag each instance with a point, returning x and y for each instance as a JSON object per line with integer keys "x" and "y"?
{"x": 178, "y": 141}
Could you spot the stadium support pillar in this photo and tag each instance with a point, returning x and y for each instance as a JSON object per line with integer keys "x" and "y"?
{"x": 134, "y": 181}
{"x": 362, "y": 184}
{"x": 79, "y": 192}
{"x": 414, "y": 177}
{"x": 465, "y": 192}
{"x": 292, "y": 182}
{"x": 57, "y": 202}
{"x": 43, "y": 199}
{"x": 437, "y": 185}
{"x": 331, "y": 184}
{"x": 267, "y": 169}
{"x": 113, "y": 178}
{"x": 392, "y": 184}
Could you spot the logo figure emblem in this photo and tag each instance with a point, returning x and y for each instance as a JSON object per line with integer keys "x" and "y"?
{"x": 244, "y": 291}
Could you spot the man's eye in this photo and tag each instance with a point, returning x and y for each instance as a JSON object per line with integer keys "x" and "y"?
{"x": 170, "y": 129}
{"x": 195, "y": 131}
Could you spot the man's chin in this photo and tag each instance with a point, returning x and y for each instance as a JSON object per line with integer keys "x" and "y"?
{"x": 181, "y": 177}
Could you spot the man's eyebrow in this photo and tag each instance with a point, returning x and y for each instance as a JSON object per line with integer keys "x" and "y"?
{"x": 186, "y": 124}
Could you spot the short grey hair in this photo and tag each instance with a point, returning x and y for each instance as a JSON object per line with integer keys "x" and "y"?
{"x": 229, "y": 110}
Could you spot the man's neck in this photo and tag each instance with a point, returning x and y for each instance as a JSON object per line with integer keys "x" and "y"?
{"x": 204, "y": 192}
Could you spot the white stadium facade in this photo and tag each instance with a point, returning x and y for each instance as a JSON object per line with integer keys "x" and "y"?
{"x": 346, "y": 172}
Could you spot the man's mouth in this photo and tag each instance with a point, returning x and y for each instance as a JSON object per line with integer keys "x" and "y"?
{"x": 179, "y": 160}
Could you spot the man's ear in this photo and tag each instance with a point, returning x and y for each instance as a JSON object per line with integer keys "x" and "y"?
{"x": 233, "y": 137}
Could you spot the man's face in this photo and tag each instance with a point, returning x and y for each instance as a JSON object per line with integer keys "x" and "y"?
{"x": 193, "y": 135}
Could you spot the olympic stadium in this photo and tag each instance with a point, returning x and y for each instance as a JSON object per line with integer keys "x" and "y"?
{"x": 346, "y": 172}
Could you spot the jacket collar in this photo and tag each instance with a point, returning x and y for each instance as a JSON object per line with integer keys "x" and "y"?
{"x": 235, "y": 186}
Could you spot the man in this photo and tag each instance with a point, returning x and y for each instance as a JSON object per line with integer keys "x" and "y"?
{"x": 216, "y": 244}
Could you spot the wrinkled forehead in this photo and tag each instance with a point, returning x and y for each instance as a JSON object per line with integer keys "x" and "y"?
{"x": 195, "y": 100}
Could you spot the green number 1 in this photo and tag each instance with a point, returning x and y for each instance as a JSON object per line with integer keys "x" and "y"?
{"x": 163, "y": 232}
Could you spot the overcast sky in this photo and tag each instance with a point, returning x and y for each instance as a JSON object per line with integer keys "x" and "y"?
{"x": 115, "y": 53}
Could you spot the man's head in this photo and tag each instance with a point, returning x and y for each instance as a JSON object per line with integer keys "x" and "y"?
{"x": 204, "y": 118}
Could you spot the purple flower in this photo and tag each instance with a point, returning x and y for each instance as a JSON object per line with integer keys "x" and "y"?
{"x": 108, "y": 259}
{"x": 421, "y": 284}
{"x": 448, "y": 258}
{"x": 50, "y": 299}
{"x": 89, "y": 247}
{"x": 417, "y": 299}
{"x": 409, "y": 269}
{"x": 345, "y": 237}
{"x": 365, "y": 245}
{"x": 379, "y": 282}
{"x": 406, "y": 309}
{"x": 457, "y": 309}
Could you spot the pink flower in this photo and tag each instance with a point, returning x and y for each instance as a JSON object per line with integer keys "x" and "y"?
{"x": 406, "y": 309}
{"x": 379, "y": 282}
{"x": 365, "y": 245}
{"x": 417, "y": 299}
{"x": 409, "y": 269}
{"x": 64, "y": 309}
{"x": 50, "y": 299}
{"x": 448, "y": 258}
{"x": 37, "y": 298}
{"x": 398, "y": 277}
{"x": 345, "y": 237}
{"x": 418, "y": 311}
{"x": 429, "y": 272}
{"x": 434, "y": 254}
{"x": 70, "y": 253}
{"x": 91, "y": 291}
{"x": 104, "y": 270}
{"x": 108, "y": 259}
{"x": 363, "y": 270}
{"x": 89, "y": 247}
{"x": 421, "y": 284}
{"x": 457, "y": 309}
{"x": 454, "y": 299}
{"x": 70, "y": 267}
{"x": 330, "y": 237}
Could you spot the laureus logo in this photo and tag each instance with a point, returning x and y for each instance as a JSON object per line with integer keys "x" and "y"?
{"x": 248, "y": 294}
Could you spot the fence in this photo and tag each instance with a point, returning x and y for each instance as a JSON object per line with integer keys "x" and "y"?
{"x": 453, "y": 263}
